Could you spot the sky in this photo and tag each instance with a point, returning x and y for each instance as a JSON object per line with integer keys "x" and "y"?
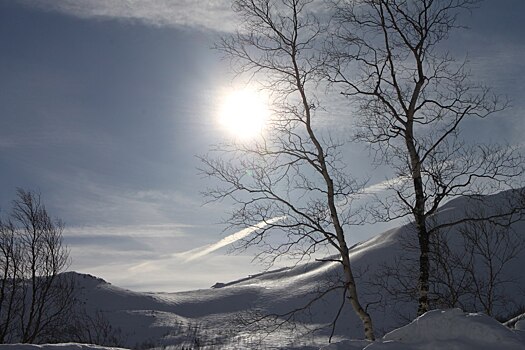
{"x": 104, "y": 105}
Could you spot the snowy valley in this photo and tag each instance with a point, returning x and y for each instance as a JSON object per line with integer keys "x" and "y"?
{"x": 296, "y": 307}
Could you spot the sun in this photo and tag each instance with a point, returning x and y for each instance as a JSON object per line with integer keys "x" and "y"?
{"x": 243, "y": 113}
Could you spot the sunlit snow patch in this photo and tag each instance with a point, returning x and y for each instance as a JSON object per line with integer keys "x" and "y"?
{"x": 444, "y": 330}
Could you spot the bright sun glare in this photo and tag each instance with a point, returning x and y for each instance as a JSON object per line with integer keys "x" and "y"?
{"x": 244, "y": 113}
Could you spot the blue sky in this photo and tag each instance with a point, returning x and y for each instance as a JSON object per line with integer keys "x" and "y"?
{"x": 103, "y": 105}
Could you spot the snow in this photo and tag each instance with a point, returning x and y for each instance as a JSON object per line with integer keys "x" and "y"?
{"x": 450, "y": 329}
{"x": 65, "y": 346}
{"x": 158, "y": 320}
{"x": 453, "y": 329}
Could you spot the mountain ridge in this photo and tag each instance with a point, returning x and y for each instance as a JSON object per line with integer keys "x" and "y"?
{"x": 152, "y": 317}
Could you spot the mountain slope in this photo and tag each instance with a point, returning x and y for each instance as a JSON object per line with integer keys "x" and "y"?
{"x": 156, "y": 319}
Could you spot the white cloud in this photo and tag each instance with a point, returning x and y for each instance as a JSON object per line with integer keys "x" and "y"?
{"x": 208, "y": 14}
{"x": 169, "y": 274}
{"x": 205, "y": 250}
{"x": 139, "y": 257}
{"x": 384, "y": 185}
{"x": 147, "y": 231}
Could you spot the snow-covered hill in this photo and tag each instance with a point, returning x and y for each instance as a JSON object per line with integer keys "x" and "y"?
{"x": 224, "y": 316}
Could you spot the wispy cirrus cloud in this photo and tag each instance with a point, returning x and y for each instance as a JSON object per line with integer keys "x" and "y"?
{"x": 205, "y": 250}
{"x": 384, "y": 185}
{"x": 207, "y": 14}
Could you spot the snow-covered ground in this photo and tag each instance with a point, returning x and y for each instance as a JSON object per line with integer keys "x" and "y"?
{"x": 450, "y": 329}
{"x": 65, "y": 346}
{"x": 223, "y": 317}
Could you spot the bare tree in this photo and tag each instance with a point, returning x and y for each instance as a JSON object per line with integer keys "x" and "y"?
{"x": 413, "y": 97}
{"x": 472, "y": 262}
{"x": 35, "y": 299}
{"x": 10, "y": 260}
{"x": 473, "y": 268}
{"x": 292, "y": 180}
{"x": 90, "y": 328}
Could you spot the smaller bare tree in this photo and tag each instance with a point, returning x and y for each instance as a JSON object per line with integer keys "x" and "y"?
{"x": 472, "y": 252}
{"x": 472, "y": 270}
{"x": 10, "y": 260}
{"x": 35, "y": 299}
{"x": 91, "y": 328}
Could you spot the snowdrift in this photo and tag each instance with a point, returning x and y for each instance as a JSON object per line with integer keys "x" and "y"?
{"x": 450, "y": 329}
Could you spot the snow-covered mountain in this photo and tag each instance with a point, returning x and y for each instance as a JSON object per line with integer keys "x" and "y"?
{"x": 224, "y": 316}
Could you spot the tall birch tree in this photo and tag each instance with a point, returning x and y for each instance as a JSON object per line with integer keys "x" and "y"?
{"x": 413, "y": 98}
{"x": 292, "y": 180}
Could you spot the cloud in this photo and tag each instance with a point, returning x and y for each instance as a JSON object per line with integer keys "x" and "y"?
{"x": 384, "y": 185}
{"x": 214, "y": 15}
{"x": 148, "y": 231}
{"x": 169, "y": 274}
{"x": 205, "y": 250}
{"x": 208, "y": 14}
{"x": 83, "y": 198}
{"x": 140, "y": 256}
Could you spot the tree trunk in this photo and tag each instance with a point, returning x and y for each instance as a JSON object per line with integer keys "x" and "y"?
{"x": 420, "y": 220}
{"x": 353, "y": 297}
